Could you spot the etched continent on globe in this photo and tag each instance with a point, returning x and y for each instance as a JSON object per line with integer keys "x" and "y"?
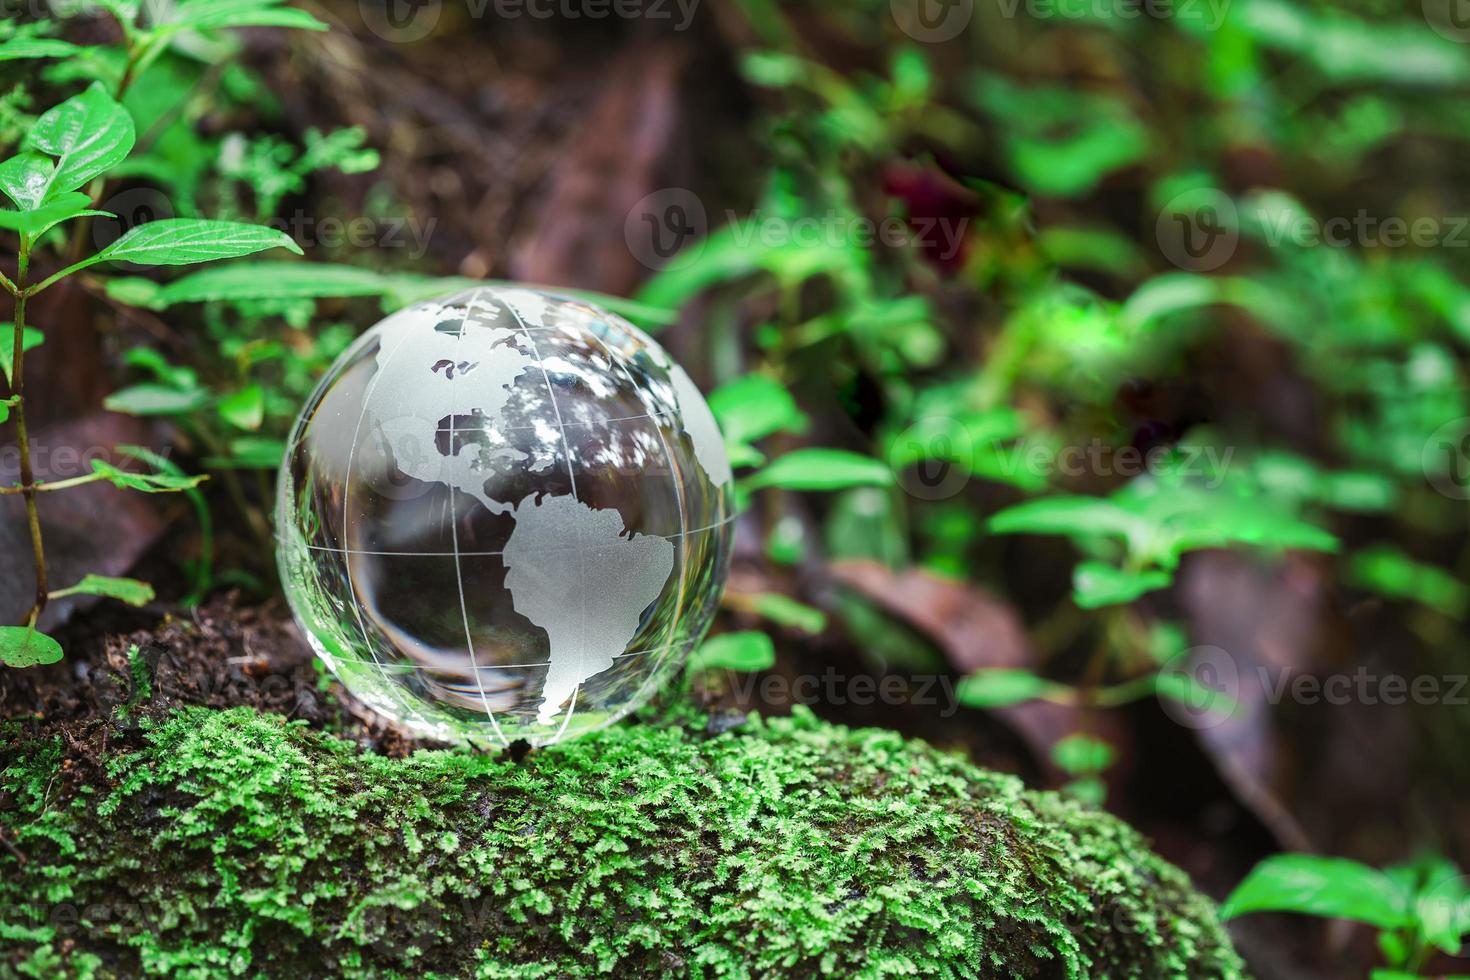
{"x": 506, "y": 515}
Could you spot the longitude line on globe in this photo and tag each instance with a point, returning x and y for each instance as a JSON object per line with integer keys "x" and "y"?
{"x": 677, "y": 477}
{"x": 347, "y": 511}
{"x": 572, "y": 476}
{"x": 454, "y": 536}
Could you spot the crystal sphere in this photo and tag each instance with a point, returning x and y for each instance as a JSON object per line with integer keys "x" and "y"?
{"x": 504, "y": 515}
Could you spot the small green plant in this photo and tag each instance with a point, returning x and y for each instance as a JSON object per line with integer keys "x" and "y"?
{"x": 65, "y": 158}
{"x": 68, "y": 149}
{"x": 1418, "y": 907}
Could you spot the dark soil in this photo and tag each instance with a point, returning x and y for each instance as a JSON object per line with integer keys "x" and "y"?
{"x": 222, "y": 655}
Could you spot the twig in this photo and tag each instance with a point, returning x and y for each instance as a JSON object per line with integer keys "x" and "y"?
{"x": 9, "y": 846}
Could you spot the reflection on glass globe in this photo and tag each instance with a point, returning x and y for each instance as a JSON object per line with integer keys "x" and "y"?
{"x": 504, "y": 515}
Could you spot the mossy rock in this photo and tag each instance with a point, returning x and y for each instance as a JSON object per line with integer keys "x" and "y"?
{"x": 206, "y": 842}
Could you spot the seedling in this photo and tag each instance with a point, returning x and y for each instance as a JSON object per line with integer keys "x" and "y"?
{"x": 68, "y": 148}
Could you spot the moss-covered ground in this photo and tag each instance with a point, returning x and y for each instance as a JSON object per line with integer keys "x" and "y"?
{"x": 206, "y": 842}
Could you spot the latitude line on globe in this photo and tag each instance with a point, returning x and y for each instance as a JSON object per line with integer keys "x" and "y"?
{"x": 566, "y": 447}
{"x": 626, "y": 654}
{"x": 485, "y": 554}
{"x": 464, "y": 612}
{"x": 587, "y": 422}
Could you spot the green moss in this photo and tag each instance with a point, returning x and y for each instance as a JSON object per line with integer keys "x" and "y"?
{"x": 234, "y": 842}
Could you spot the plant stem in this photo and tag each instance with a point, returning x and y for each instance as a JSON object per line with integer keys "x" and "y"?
{"x": 38, "y": 287}
{"x": 27, "y": 474}
{"x": 66, "y": 484}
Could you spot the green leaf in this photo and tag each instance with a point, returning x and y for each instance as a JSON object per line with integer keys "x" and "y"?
{"x": 126, "y": 11}
{"x": 25, "y": 178}
{"x": 1333, "y": 888}
{"x": 245, "y": 409}
{"x": 1078, "y": 754}
{"x": 1391, "y": 573}
{"x": 89, "y": 134}
{"x": 23, "y": 646}
{"x": 747, "y": 651}
{"x": 1076, "y": 517}
{"x": 182, "y": 378}
{"x": 997, "y": 687}
{"x": 156, "y": 399}
{"x": 1177, "y": 683}
{"x": 786, "y": 611}
{"x": 754, "y": 407}
{"x": 1062, "y": 142}
{"x": 18, "y": 48}
{"x": 244, "y": 281}
{"x": 30, "y": 339}
{"x": 1169, "y": 293}
{"x": 1347, "y": 49}
{"x": 145, "y": 482}
{"x": 1358, "y": 491}
{"x": 822, "y": 469}
{"x": 129, "y": 590}
{"x": 38, "y": 221}
{"x": 1088, "y": 789}
{"x": 185, "y": 241}
{"x": 135, "y": 291}
{"x": 211, "y": 15}
{"x": 249, "y": 453}
{"x": 1096, "y": 584}
{"x": 1442, "y": 906}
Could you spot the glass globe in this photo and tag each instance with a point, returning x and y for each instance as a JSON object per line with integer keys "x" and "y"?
{"x": 504, "y": 515}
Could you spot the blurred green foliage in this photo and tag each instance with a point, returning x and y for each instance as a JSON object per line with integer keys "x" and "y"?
{"x": 1099, "y": 284}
